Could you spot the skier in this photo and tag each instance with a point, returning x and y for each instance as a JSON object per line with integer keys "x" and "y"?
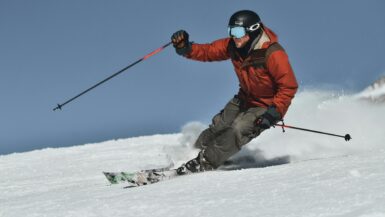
{"x": 267, "y": 86}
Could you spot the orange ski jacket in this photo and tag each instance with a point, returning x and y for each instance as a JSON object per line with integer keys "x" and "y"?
{"x": 271, "y": 83}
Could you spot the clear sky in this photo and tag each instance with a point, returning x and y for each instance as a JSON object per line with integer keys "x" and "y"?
{"x": 52, "y": 50}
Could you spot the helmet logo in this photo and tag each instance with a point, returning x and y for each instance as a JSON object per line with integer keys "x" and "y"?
{"x": 239, "y": 23}
{"x": 254, "y": 27}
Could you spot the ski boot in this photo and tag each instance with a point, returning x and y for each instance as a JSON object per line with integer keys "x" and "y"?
{"x": 198, "y": 164}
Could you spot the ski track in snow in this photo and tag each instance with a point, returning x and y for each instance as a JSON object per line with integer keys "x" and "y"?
{"x": 326, "y": 177}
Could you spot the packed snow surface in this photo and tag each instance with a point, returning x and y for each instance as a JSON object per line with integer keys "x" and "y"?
{"x": 306, "y": 174}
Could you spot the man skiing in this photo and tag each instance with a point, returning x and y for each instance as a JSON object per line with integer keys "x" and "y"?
{"x": 267, "y": 86}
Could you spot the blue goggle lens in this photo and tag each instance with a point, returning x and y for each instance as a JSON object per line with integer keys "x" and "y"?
{"x": 237, "y": 31}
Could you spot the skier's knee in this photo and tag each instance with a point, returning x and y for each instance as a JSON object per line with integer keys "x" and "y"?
{"x": 238, "y": 127}
{"x": 218, "y": 124}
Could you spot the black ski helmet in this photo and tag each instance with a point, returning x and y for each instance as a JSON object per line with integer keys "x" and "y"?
{"x": 246, "y": 19}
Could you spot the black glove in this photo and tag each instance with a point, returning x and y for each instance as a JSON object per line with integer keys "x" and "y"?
{"x": 269, "y": 118}
{"x": 181, "y": 42}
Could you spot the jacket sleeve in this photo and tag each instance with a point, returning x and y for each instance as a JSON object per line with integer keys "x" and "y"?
{"x": 215, "y": 51}
{"x": 284, "y": 78}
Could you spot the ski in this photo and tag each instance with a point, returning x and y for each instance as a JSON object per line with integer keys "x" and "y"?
{"x": 143, "y": 177}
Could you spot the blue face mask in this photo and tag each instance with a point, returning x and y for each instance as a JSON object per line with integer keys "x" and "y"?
{"x": 236, "y": 31}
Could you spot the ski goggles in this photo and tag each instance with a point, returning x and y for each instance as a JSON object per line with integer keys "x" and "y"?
{"x": 240, "y": 31}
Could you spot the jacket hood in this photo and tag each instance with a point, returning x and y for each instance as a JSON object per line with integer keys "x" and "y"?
{"x": 273, "y": 37}
{"x": 266, "y": 38}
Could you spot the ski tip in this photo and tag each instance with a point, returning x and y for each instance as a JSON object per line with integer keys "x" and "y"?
{"x": 110, "y": 178}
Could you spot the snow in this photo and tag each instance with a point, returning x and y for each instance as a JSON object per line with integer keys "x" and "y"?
{"x": 326, "y": 176}
{"x": 374, "y": 92}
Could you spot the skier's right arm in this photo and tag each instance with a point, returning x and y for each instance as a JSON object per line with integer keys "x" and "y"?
{"x": 215, "y": 51}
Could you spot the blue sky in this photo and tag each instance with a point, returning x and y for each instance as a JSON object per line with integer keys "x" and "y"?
{"x": 52, "y": 50}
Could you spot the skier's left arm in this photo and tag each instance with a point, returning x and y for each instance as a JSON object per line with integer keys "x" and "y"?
{"x": 279, "y": 66}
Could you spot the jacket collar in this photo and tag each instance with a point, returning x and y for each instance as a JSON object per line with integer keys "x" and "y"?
{"x": 264, "y": 40}
{"x": 259, "y": 41}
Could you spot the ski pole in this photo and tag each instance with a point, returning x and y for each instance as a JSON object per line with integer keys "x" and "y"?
{"x": 60, "y": 106}
{"x": 347, "y": 137}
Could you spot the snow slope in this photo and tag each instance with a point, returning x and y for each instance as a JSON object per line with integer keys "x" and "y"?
{"x": 326, "y": 176}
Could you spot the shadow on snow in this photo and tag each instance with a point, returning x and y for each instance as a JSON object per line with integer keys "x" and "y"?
{"x": 247, "y": 158}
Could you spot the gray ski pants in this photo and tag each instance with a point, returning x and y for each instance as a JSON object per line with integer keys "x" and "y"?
{"x": 232, "y": 128}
